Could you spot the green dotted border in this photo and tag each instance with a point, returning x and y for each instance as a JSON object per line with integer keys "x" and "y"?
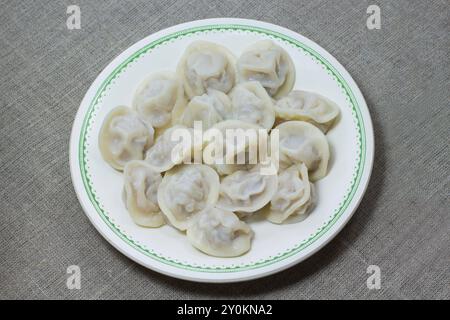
{"x": 234, "y": 268}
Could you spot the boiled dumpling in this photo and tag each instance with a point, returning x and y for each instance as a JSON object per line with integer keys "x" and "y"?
{"x": 206, "y": 65}
{"x": 209, "y": 108}
{"x": 251, "y": 103}
{"x": 123, "y": 137}
{"x": 268, "y": 64}
{"x": 220, "y": 233}
{"x": 301, "y": 213}
{"x": 159, "y": 98}
{"x": 307, "y": 106}
{"x": 185, "y": 191}
{"x": 246, "y": 190}
{"x": 302, "y": 142}
{"x": 170, "y": 149}
{"x": 140, "y": 193}
{"x": 224, "y": 152}
{"x": 293, "y": 195}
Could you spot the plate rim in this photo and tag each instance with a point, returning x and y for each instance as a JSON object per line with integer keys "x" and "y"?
{"x": 223, "y": 275}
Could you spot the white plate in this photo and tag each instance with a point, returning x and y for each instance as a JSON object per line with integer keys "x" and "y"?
{"x": 275, "y": 247}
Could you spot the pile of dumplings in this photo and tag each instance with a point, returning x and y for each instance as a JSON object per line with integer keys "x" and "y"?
{"x": 212, "y": 202}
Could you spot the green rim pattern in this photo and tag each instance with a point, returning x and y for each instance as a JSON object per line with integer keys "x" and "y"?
{"x": 356, "y": 177}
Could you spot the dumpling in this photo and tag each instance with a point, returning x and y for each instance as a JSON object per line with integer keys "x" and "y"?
{"x": 158, "y": 98}
{"x": 232, "y": 148}
{"x": 268, "y": 64}
{"x": 170, "y": 150}
{"x": 251, "y": 103}
{"x": 302, "y": 142}
{"x": 220, "y": 233}
{"x": 307, "y": 106}
{"x": 293, "y": 195}
{"x": 209, "y": 108}
{"x": 140, "y": 193}
{"x": 123, "y": 137}
{"x": 185, "y": 191}
{"x": 246, "y": 190}
{"x": 300, "y": 213}
{"x": 206, "y": 65}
